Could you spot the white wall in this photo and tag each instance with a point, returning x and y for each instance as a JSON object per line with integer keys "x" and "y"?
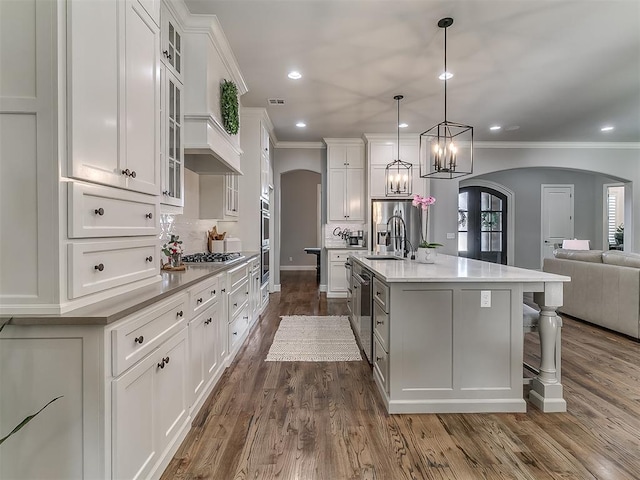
{"x": 287, "y": 160}
{"x": 616, "y": 161}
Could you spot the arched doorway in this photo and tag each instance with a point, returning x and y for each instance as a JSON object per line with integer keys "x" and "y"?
{"x": 482, "y": 224}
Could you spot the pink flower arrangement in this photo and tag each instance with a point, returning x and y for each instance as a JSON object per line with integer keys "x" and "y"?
{"x": 423, "y": 202}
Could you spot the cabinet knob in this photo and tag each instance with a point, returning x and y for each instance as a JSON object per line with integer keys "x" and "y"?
{"x": 139, "y": 339}
{"x": 378, "y": 322}
{"x": 99, "y": 211}
{"x": 149, "y": 258}
{"x": 165, "y": 359}
{"x": 161, "y": 364}
{"x": 223, "y": 290}
{"x": 235, "y": 333}
{"x": 126, "y": 172}
{"x": 149, "y": 215}
{"x": 165, "y": 53}
{"x": 246, "y": 317}
{"x": 199, "y": 300}
{"x": 235, "y": 304}
{"x": 180, "y": 313}
{"x": 207, "y": 321}
{"x": 378, "y": 359}
{"x": 133, "y": 174}
{"x": 99, "y": 267}
{"x": 213, "y": 292}
{"x": 166, "y": 192}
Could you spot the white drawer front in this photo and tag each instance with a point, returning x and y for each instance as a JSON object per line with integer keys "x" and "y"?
{"x": 94, "y": 267}
{"x": 238, "y": 327}
{"x": 381, "y": 294}
{"x": 238, "y": 299}
{"x": 238, "y": 275}
{"x": 204, "y": 294}
{"x": 145, "y": 330}
{"x": 264, "y": 294}
{"x": 381, "y": 325}
{"x": 99, "y": 211}
{"x": 381, "y": 364}
{"x": 338, "y": 256}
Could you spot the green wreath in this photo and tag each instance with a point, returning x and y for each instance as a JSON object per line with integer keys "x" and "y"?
{"x": 229, "y": 106}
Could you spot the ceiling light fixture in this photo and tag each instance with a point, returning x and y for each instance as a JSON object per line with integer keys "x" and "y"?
{"x": 403, "y": 125}
{"x": 608, "y": 128}
{"x": 445, "y": 75}
{"x": 397, "y": 174}
{"x": 294, "y": 75}
{"x": 446, "y": 149}
{"x": 301, "y": 124}
{"x": 495, "y": 127}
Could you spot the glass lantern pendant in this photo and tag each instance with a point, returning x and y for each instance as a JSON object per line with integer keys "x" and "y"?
{"x": 446, "y": 149}
{"x": 397, "y": 174}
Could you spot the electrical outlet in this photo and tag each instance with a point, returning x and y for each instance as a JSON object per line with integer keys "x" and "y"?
{"x": 291, "y": 259}
{"x": 485, "y": 298}
{"x": 451, "y": 236}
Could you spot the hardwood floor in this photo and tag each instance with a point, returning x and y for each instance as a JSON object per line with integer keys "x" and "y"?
{"x": 307, "y": 421}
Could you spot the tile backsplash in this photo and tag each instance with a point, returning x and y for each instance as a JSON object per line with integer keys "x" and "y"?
{"x": 331, "y": 240}
{"x": 192, "y": 231}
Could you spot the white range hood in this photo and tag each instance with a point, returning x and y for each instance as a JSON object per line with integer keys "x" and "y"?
{"x": 208, "y": 60}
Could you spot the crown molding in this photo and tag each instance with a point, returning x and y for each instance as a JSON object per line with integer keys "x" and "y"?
{"x": 343, "y": 141}
{"x": 388, "y": 137}
{"x": 309, "y": 145}
{"x": 552, "y": 145}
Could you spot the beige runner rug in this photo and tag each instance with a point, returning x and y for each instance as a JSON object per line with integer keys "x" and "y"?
{"x": 302, "y": 338}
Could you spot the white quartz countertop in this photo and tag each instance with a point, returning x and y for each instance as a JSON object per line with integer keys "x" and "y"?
{"x": 448, "y": 268}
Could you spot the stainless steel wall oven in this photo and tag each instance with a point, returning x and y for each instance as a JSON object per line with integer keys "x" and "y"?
{"x": 265, "y": 218}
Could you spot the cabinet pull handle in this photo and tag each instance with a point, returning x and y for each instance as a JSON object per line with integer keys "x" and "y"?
{"x": 149, "y": 215}
{"x": 99, "y": 211}
{"x": 180, "y": 313}
{"x": 149, "y": 258}
{"x": 133, "y": 174}
{"x": 99, "y": 267}
{"x": 199, "y": 300}
{"x": 139, "y": 339}
{"x": 246, "y": 317}
{"x": 126, "y": 172}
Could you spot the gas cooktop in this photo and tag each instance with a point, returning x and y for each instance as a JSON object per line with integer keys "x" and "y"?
{"x": 210, "y": 257}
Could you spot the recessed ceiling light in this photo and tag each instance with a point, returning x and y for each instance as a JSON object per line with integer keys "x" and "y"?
{"x": 445, "y": 75}
{"x": 607, "y": 128}
{"x": 403, "y": 125}
{"x": 495, "y": 127}
{"x": 294, "y": 75}
{"x": 301, "y": 124}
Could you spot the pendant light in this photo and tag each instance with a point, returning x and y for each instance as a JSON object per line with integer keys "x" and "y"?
{"x": 397, "y": 174}
{"x": 446, "y": 149}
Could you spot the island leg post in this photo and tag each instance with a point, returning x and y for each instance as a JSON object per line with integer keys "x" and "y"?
{"x": 546, "y": 390}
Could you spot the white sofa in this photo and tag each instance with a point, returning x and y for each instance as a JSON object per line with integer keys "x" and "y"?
{"x": 604, "y": 287}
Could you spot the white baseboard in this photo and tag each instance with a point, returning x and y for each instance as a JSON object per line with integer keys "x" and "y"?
{"x": 297, "y": 267}
{"x": 276, "y": 287}
{"x": 323, "y": 288}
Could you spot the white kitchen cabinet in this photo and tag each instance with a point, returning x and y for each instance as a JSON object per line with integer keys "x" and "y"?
{"x": 265, "y": 168}
{"x": 346, "y": 180}
{"x": 114, "y": 126}
{"x": 172, "y": 139}
{"x": 232, "y": 192}
{"x": 382, "y": 150}
{"x": 337, "y": 280}
{"x": 254, "y": 289}
{"x": 219, "y": 197}
{"x": 149, "y": 408}
{"x": 171, "y": 44}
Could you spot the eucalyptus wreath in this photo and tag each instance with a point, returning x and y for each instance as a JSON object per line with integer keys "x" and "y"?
{"x": 229, "y": 106}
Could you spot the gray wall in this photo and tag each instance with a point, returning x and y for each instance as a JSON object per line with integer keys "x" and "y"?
{"x": 525, "y": 183}
{"x": 619, "y": 162}
{"x": 311, "y": 157}
{"x": 298, "y": 217}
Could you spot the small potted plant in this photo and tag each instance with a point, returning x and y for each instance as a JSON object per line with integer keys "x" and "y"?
{"x": 173, "y": 250}
{"x": 426, "y": 250}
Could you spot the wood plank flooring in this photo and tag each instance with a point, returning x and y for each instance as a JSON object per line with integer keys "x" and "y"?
{"x": 325, "y": 421}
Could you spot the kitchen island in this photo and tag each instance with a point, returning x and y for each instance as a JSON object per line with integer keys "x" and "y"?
{"x": 448, "y": 337}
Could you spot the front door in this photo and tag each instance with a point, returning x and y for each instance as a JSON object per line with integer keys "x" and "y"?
{"x": 482, "y": 224}
{"x": 556, "y": 217}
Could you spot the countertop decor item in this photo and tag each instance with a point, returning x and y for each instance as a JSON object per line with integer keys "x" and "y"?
{"x": 173, "y": 249}
{"x": 446, "y": 149}
{"x": 229, "y": 107}
{"x": 397, "y": 174}
{"x": 426, "y": 250}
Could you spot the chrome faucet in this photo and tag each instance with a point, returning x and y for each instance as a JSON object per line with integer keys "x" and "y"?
{"x": 402, "y": 238}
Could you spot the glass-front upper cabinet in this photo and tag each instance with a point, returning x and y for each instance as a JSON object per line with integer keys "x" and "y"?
{"x": 171, "y": 44}
{"x": 173, "y": 149}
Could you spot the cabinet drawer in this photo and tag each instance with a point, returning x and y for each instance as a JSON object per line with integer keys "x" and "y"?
{"x": 99, "y": 211}
{"x": 237, "y": 275}
{"x": 381, "y": 294}
{"x": 144, "y": 331}
{"x": 381, "y": 325}
{"x": 204, "y": 294}
{"x": 381, "y": 364}
{"x": 94, "y": 267}
{"x": 238, "y": 298}
{"x": 238, "y": 327}
{"x": 338, "y": 256}
{"x": 264, "y": 294}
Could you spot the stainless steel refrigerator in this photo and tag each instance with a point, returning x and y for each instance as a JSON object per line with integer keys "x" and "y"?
{"x": 388, "y": 232}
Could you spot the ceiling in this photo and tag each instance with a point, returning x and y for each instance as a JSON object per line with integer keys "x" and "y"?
{"x": 545, "y": 70}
